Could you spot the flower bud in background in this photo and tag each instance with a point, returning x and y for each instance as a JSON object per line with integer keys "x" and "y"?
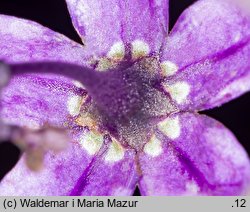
{"x": 35, "y": 143}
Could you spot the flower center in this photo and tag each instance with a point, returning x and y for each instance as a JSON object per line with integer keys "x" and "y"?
{"x": 127, "y": 102}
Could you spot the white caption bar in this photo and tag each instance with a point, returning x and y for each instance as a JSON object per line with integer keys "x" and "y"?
{"x": 158, "y": 204}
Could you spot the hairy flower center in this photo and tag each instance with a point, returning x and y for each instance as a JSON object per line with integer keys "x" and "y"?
{"x": 126, "y": 101}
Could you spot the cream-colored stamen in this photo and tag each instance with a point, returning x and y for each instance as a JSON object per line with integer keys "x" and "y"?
{"x": 170, "y": 127}
{"x": 139, "y": 49}
{"x": 115, "y": 152}
{"x": 74, "y": 105}
{"x": 91, "y": 142}
{"x": 168, "y": 68}
{"x": 117, "y": 51}
{"x": 153, "y": 147}
{"x": 178, "y": 91}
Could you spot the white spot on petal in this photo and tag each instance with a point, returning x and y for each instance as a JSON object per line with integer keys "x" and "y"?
{"x": 117, "y": 51}
{"x": 74, "y": 105}
{"x": 91, "y": 142}
{"x": 139, "y": 49}
{"x": 192, "y": 188}
{"x": 168, "y": 68}
{"x": 178, "y": 91}
{"x": 170, "y": 127}
{"x": 153, "y": 147}
{"x": 115, "y": 152}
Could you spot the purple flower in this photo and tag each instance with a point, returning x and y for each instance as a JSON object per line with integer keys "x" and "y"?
{"x": 130, "y": 98}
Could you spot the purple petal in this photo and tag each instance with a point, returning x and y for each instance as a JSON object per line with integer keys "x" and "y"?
{"x": 81, "y": 170}
{"x": 196, "y": 155}
{"x": 209, "y": 50}
{"x": 33, "y": 101}
{"x": 58, "y": 177}
{"x": 113, "y": 175}
{"x": 27, "y": 41}
{"x": 105, "y": 24}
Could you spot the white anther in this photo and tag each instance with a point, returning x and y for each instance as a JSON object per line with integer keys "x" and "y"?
{"x": 168, "y": 68}
{"x": 117, "y": 51}
{"x": 115, "y": 152}
{"x": 170, "y": 127}
{"x": 139, "y": 49}
{"x": 178, "y": 91}
{"x": 153, "y": 147}
{"x": 74, "y": 105}
{"x": 91, "y": 142}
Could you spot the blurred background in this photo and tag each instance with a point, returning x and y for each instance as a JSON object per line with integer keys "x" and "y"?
{"x": 53, "y": 14}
